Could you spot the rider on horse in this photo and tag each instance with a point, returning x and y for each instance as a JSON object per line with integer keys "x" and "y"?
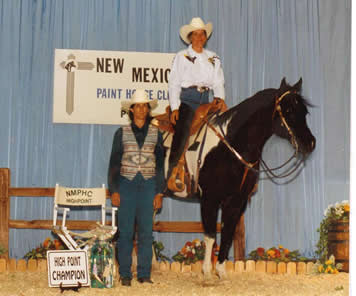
{"x": 195, "y": 71}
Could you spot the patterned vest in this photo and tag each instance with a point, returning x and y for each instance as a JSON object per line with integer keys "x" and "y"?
{"x": 136, "y": 160}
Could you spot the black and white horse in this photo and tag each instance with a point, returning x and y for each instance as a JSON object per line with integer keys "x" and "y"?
{"x": 231, "y": 156}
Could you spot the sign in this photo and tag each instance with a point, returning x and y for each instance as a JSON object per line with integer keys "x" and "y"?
{"x": 66, "y": 268}
{"x": 90, "y": 85}
{"x": 80, "y": 196}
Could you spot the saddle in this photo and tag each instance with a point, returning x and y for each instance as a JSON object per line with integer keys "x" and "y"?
{"x": 180, "y": 176}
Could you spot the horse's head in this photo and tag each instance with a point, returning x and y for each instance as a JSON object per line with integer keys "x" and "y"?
{"x": 290, "y": 117}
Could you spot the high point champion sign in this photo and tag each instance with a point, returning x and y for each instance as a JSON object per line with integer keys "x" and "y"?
{"x": 68, "y": 268}
{"x": 89, "y": 85}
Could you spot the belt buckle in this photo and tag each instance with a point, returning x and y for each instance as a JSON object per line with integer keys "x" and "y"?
{"x": 202, "y": 89}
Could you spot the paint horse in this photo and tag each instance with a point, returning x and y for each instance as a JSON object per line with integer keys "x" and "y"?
{"x": 231, "y": 157}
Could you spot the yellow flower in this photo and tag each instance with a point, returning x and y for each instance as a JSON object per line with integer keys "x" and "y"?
{"x": 328, "y": 269}
{"x": 280, "y": 246}
{"x": 320, "y": 268}
{"x": 271, "y": 253}
{"x": 196, "y": 242}
{"x": 329, "y": 262}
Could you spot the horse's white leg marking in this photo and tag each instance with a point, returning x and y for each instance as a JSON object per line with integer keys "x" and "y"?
{"x": 209, "y": 242}
{"x": 220, "y": 268}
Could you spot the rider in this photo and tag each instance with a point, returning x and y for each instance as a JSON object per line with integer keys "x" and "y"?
{"x": 195, "y": 71}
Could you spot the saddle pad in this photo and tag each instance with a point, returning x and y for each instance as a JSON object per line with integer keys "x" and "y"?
{"x": 194, "y": 140}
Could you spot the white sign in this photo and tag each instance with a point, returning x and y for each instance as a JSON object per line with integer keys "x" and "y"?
{"x": 67, "y": 268}
{"x": 89, "y": 85}
{"x": 80, "y": 196}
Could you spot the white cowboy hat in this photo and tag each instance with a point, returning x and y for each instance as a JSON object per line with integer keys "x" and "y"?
{"x": 140, "y": 96}
{"x": 195, "y": 24}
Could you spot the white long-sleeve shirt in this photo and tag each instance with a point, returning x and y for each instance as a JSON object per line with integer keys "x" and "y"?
{"x": 199, "y": 69}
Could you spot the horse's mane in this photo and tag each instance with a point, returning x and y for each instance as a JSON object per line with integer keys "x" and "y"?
{"x": 246, "y": 108}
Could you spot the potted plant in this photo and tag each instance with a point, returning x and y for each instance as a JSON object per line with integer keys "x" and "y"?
{"x": 334, "y": 234}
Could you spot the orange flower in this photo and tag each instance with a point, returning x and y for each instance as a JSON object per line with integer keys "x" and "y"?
{"x": 57, "y": 244}
{"x": 46, "y": 242}
{"x": 347, "y": 208}
{"x": 286, "y": 251}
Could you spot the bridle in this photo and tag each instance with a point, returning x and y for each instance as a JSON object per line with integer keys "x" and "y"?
{"x": 251, "y": 165}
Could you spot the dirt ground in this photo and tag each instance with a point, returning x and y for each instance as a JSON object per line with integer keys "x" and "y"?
{"x": 171, "y": 283}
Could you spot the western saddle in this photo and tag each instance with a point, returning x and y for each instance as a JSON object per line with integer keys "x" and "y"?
{"x": 176, "y": 181}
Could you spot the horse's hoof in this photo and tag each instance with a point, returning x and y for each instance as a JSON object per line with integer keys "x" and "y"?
{"x": 207, "y": 276}
{"x": 221, "y": 271}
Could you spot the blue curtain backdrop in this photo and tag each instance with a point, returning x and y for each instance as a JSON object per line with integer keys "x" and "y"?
{"x": 259, "y": 41}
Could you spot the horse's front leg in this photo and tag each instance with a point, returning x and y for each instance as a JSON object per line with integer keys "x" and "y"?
{"x": 231, "y": 214}
{"x": 207, "y": 267}
{"x": 209, "y": 212}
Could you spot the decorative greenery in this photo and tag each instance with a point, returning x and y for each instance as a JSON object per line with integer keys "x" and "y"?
{"x": 279, "y": 254}
{"x": 158, "y": 248}
{"x": 2, "y": 250}
{"x": 194, "y": 251}
{"x": 328, "y": 266}
{"x": 41, "y": 251}
{"x": 339, "y": 211}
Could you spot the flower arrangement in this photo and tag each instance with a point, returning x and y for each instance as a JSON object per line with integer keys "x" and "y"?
{"x": 279, "y": 254}
{"x": 41, "y": 251}
{"x": 191, "y": 252}
{"x": 338, "y": 211}
{"x": 158, "y": 248}
{"x": 328, "y": 266}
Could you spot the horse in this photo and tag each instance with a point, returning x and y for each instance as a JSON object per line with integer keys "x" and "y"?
{"x": 228, "y": 172}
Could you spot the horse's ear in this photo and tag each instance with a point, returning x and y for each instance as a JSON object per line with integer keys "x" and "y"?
{"x": 298, "y": 85}
{"x": 283, "y": 83}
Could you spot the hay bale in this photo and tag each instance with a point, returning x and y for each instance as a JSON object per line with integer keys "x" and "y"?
{"x": 239, "y": 266}
{"x": 271, "y": 267}
{"x": 281, "y": 268}
{"x": 250, "y": 266}
{"x": 291, "y": 268}
{"x": 261, "y": 266}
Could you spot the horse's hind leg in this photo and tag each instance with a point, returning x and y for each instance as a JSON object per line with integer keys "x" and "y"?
{"x": 209, "y": 213}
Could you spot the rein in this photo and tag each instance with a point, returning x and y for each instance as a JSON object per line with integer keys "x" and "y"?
{"x": 249, "y": 165}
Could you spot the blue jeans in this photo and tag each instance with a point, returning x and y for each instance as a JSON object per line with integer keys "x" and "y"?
{"x": 136, "y": 204}
{"x": 193, "y": 98}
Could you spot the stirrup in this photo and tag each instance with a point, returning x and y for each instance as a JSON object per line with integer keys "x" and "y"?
{"x": 174, "y": 184}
